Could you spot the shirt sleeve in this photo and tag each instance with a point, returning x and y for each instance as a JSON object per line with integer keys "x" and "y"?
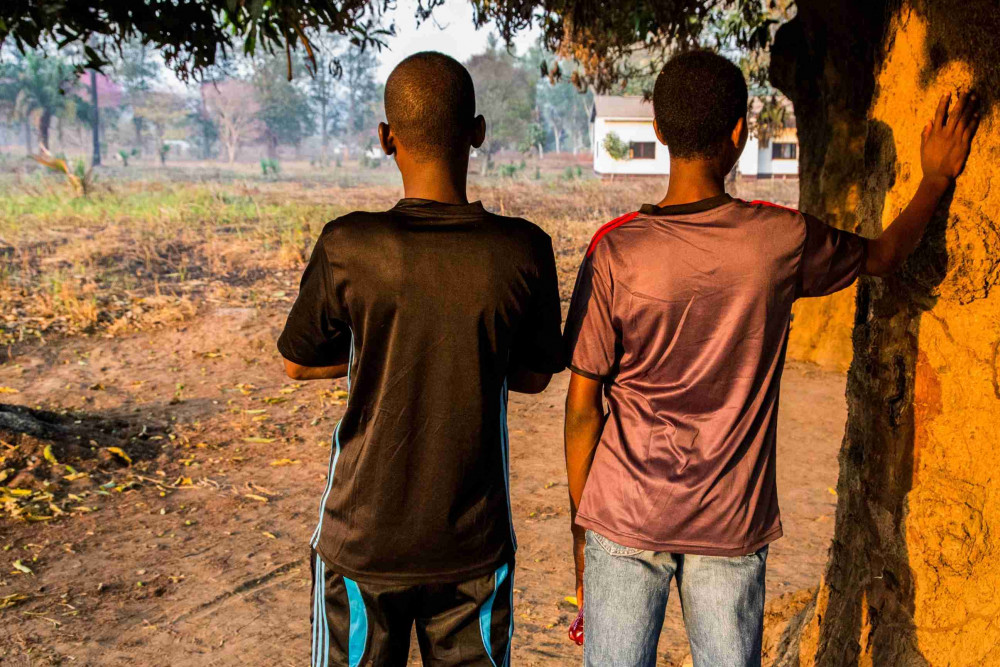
{"x": 591, "y": 339}
{"x": 316, "y": 333}
{"x": 537, "y": 344}
{"x": 831, "y": 258}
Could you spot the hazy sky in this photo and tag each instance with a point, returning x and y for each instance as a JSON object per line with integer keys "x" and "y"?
{"x": 449, "y": 31}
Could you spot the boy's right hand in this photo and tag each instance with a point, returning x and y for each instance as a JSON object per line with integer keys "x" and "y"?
{"x": 947, "y": 138}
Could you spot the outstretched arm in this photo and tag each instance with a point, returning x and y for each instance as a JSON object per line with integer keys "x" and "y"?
{"x": 944, "y": 148}
{"x": 584, "y": 422}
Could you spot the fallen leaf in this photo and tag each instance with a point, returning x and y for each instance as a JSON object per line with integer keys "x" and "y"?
{"x": 49, "y": 456}
{"x": 8, "y": 601}
{"x": 21, "y": 567}
{"x": 572, "y": 600}
{"x": 253, "y": 496}
{"x": 8, "y": 390}
{"x": 120, "y": 453}
{"x": 264, "y": 532}
{"x": 285, "y": 462}
{"x": 261, "y": 441}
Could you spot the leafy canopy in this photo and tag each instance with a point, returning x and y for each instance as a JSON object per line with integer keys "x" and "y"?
{"x": 611, "y": 41}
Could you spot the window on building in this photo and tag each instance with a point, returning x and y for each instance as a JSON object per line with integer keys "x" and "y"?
{"x": 786, "y": 151}
{"x": 642, "y": 150}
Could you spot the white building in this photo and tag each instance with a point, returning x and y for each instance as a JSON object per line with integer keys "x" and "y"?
{"x": 631, "y": 119}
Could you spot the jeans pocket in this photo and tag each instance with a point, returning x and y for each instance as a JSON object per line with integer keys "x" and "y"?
{"x": 611, "y": 547}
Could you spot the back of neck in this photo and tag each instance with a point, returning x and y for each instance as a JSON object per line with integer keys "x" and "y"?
{"x": 437, "y": 181}
{"x": 693, "y": 180}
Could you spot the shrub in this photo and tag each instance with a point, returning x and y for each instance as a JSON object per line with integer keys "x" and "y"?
{"x": 615, "y": 147}
{"x": 269, "y": 165}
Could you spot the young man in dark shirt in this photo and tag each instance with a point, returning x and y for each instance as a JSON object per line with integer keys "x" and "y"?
{"x": 433, "y": 310}
{"x": 680, "y": 319}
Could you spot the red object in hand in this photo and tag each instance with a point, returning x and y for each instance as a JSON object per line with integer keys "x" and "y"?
{"x": 576, "y": 629}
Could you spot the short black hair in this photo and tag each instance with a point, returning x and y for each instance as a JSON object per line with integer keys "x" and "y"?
{"x": 430, "y": 103}
{"x": 697, "y": 99}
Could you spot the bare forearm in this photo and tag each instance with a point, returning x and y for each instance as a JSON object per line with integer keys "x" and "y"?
{"x": 583, "y": 432}
{"x": 298, "y": 372}
{"x": 889, "y": 250}
{"x": 521, "y": 380}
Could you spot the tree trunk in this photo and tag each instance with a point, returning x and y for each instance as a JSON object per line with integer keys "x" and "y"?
{"x": 137, "y": 123}
{"x": 96, "y": 155}
{"x": 323, "y": 128}
{"x": 914, "y": 567}
{"x": 44, "y": 125}
{"x": 27, "y": 136}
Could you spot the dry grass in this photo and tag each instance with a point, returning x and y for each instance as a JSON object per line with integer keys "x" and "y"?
{"x": 142, "y": 253}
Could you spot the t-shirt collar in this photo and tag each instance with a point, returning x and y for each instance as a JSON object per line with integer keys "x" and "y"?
{"x": 438, "y": 208}
{"x": 690, "y": 207}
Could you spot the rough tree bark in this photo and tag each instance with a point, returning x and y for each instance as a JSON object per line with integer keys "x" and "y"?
{"x": 914, "y": 567}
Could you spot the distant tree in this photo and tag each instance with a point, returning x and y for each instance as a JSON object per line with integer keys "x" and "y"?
{"x": 323, "y": 88}
{"x": 163, "y": 110}
{"x": 231, "y": 103}
{"x": 362, "y": 95}
{"x": 283, "y": 106}
{"x": 203, "y": 130}
{"x": 564, "y": 110}
{"x": 536, "y": 139}
{"x": 40, "y": 86}
{"x": 136, "y": 69}
{"x": 108, "y": 95}
{"x": 505, "y": 95}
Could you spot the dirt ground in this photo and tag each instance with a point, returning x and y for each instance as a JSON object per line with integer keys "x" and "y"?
{"x": 169, "y": 524}
{"x": 214, "y": 571}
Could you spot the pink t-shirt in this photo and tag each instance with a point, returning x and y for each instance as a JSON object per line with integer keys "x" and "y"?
{"x": 683, "y": 312}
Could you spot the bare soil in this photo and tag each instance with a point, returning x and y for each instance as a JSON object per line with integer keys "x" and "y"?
{"x": 159, "y": 513}
{"x": 204, "y": 560}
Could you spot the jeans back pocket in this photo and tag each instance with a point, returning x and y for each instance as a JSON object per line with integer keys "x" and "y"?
{"x": 612, "y": 547}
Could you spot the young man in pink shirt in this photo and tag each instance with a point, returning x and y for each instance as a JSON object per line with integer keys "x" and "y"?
{"x": 680, "y": 320}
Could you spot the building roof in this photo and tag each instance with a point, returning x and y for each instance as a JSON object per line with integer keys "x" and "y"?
{"x": 622, "y": 106}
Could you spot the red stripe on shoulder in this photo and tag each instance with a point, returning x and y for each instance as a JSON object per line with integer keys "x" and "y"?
{"x": 761, "y": 202}
{"x": 602, "y": 232}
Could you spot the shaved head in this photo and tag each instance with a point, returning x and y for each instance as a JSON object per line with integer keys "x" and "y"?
{"x": 430, "y": 104}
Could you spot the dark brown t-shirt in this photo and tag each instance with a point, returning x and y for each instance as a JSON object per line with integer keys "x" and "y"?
{"x": 684, "y": 313}
{"x": 432, "y": 304}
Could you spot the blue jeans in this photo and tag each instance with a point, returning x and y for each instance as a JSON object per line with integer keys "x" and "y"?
{"x": 625, "y": 597}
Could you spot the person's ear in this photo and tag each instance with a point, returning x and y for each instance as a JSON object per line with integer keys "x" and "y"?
{"x": 659, "y": 135}
{"x": 740, "y": 134}
{"x": 387, "y": 139}
{"x": 478, "y": 131}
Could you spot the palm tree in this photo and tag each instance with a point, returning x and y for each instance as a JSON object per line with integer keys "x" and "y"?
{"x": 37, "y": 84}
